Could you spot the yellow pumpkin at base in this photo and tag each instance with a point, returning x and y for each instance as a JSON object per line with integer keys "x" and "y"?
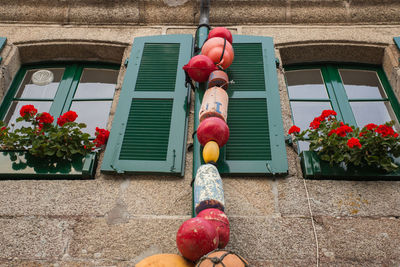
{"x": 164, "y": 260}
{"x": 211, "y": 152}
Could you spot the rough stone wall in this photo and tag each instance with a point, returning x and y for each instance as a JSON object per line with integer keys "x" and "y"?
{"x": 186, "y": 12}
{"x": 115, "y": 220}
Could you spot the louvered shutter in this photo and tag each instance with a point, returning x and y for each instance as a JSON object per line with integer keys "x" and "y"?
{"x": 149, "y": 129}
{"x": 397, "y": 41}
{"x": 256, "y": 143}
{"x": 3, "y": 41}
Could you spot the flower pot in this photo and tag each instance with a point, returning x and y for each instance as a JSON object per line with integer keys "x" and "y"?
{"x": 22, "y": 165}
{"x": 315, "y": 168}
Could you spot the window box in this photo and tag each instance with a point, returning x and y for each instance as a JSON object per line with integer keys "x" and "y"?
{"x": 22, "y": 165}
{"x": 314, "y": 168}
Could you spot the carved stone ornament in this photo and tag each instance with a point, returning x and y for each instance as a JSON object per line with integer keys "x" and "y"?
{"x": 42, "y": 77}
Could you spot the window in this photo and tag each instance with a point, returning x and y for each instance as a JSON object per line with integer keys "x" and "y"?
{"x": 87, "y": 89}
{"x": 256, "y": 142}
{"x": 359, "y": 94}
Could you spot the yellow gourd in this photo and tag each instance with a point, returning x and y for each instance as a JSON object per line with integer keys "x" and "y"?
{"x": 164, "y": 260}
{"x": 211, "y": 152}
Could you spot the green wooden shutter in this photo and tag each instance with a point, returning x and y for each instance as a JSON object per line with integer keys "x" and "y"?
{"x": 256, "y": 143}
{"x": 149, "y": 129}
{"x": 3, "y": 41}
{"x": 397, "y": 41}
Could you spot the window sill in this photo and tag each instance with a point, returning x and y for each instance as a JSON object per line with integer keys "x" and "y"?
{"x": 16, "y": 165}
{"x": 314, "y": 168}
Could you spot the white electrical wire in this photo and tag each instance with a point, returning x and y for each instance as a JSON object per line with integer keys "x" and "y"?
{"x": 312, "y": 220}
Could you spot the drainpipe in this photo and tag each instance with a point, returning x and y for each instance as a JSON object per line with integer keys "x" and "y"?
{"x": 204, "y": 26}
{"x": 201, "y": 37}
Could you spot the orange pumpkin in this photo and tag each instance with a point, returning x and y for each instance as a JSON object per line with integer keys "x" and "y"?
{"x": 222, "y": 258}
{"x": 164, "y": 260}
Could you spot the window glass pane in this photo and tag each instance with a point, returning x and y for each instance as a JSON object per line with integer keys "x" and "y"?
{"x": 97, "y": 83}
{"x": 13, "y": 112}
{"x": 305, "y": 112}
{"x": 29, "y": 89}
{"x": 362, "y": 84}
{"x": 93, "y": 113}
{"x": 306, "y": 84}
{"x": 372, "y": 112}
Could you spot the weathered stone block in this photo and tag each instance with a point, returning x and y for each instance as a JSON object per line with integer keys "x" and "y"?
{"x": 354, "y": 198}
{"x": 95, "y": 239}
{"x": 158, "y": 196}
{"x": 246, "y": 12}
{"x": 270, "y": 239}
{"x": 384, "y": 11}
{"x": 57, "y": 198}
{"x": 34, "y": 238}
{"x": 363, "y": 241}
{"x": 160, "y": 12}
{"x": 318, "y": 11}
{"x": 292, "y": 197}
{"x": 104, "y": 12}
{"x": 248, "y": 196}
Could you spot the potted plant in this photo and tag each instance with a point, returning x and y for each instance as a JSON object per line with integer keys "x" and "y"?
{"x": 49, "y": 149}
{"x": 338, "y": 149}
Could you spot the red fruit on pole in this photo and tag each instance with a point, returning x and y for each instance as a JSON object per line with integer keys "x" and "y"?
{"x": 213, "y": 129}
{"x": 196, "y": 237}
{"x": 221, "y": 32}
{"x": 199, "y": 68}
{"x": 220, "y": 222}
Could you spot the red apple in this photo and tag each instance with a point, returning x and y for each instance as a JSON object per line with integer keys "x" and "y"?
{"x": 196, "y": 237}
{"x": 213, "y": 129}
{"x": 220, "y": 222}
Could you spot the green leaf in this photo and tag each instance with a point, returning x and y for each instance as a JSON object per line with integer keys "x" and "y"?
{"x": 59, "y": 154}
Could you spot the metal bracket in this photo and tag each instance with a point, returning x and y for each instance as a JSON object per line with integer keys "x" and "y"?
{"x": 270, "y": 169}
{"x": 289, "y": 140}
{"x": 126, "y": 62}
{"x": 173, "y": 162}
{"x": 277, "y": 62}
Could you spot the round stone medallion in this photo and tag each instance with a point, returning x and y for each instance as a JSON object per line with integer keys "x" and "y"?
{"x": 42, "y": 77}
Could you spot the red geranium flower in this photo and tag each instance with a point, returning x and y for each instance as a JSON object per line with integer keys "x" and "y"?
{"x": 70, "y": 116}
{"x": 327, "y": 113}
{"x": 61, "y": 121}
{"x": 333, "y": 131}
{"x": 28, "y": 110}
{"x": 45, "y": 118}
{"x": 316, "y": 123}
{"x": 294, "y": 129}
{"x": 343, "y": 130}
{"x": 3, "y": 128}
{"x": 370, "y": 126}
{"x": 352, "y": 142}
{"x": 101, "y": 137}
{"x": 384, "y": 130}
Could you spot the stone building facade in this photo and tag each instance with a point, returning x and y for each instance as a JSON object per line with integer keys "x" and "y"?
{"x": 118, "y": 219}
